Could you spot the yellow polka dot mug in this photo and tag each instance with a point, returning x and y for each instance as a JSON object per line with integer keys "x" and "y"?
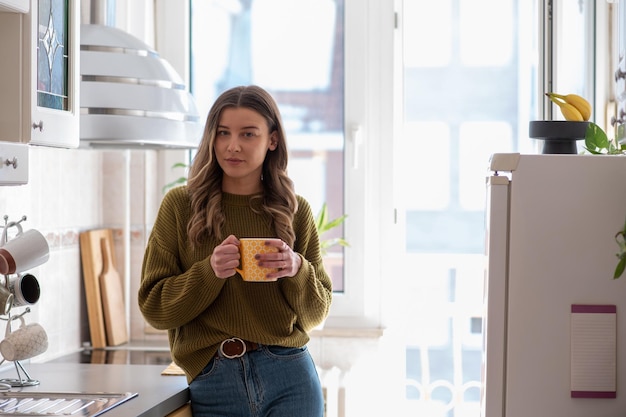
{"x": 250, "y": 270}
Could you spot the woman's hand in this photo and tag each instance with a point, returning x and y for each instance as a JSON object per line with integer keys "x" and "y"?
{"x": 285, "y": 260}
{"x": 225, "y": 257}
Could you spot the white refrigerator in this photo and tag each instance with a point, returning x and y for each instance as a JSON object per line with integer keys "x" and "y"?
{"x": 554, "y": 324}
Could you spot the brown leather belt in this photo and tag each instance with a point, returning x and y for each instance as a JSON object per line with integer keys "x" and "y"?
{"x": 236, "y": 347}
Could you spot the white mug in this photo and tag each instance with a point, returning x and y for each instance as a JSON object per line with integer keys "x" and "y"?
{"x": 25, "y": 289}
{"x": 24, "y": 343}
{"x": 26, "y": 250}
{"x": 6, "y": 300}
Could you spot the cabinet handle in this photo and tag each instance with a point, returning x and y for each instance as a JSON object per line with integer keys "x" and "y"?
{"x": 11, "y": 162}
{"x": 38, "y": 125}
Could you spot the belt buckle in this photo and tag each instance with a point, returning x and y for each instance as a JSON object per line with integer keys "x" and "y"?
{"x": 233, "y": 340}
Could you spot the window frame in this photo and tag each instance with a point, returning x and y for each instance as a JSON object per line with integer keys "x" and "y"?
{"x": 371, "y": 227}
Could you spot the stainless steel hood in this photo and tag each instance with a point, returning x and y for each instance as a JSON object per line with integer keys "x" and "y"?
{"x": 131, "y": 98}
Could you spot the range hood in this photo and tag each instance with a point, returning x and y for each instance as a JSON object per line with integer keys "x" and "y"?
{"x": 131, "y": 98}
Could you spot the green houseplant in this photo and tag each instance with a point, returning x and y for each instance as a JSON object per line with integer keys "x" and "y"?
{"x": 323, "y": 225}
{"x": 621, "y": 255}
{"x": 598, "y": 143}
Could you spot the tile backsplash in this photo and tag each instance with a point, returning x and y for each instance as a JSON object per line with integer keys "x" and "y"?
{"x": 71, "y": 191}
{"x": 62, "y": 198}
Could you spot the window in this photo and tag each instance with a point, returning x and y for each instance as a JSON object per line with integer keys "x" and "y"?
{"x": 469, "y": 91}
{"x": 294, "y": 49}
{"x": 573, "y": 47}
{"x": 459, "y": 108}
{"x": 298, "y": 51}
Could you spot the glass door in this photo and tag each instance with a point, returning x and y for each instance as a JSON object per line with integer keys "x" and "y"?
{"x": 52, "y": 54}
{"x": 468, "y": 88}
{"x": 53, "y": 47}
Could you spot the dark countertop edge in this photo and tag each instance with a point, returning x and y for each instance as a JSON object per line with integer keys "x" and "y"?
{"x": 158, "y": 395}
{"x": 168, "y": 406}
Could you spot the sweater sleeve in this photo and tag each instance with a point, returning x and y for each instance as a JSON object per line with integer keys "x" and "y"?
{"x": 309, "y": 292}
{"x": 170, "y": 296}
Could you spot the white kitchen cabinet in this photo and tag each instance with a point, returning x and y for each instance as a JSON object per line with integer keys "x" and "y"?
{"x": 39, "y": 74}
{"x": 19, "y": 6}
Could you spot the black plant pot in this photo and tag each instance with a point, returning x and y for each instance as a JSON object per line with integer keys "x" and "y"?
{"x": 559, "y": 136}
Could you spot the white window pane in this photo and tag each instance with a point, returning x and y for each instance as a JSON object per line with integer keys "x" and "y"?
{"x": 478, "y": 140}
{"x": 570, "y": 49}
{"x": 428, "y": 287}
{"x": 435, "y": 26}
{"x": 309, "y": 176}
{"x": 292, "y": 53}
{"x": 426, "y": 172}
{"x": 217, "y": 22}
{"x": 486, "y": 32}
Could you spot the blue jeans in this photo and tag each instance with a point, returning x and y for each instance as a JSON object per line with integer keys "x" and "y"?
{"x": 270, "y": 382}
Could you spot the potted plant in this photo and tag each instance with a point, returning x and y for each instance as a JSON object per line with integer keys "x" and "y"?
{"x": 597, "y": 143}
{"x": 323, "y": 225}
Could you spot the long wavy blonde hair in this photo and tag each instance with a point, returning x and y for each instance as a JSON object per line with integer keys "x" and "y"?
{"x": 204, "y": 184}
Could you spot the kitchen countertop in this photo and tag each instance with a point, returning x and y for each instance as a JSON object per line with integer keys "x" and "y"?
{"x": 158, "y": 395}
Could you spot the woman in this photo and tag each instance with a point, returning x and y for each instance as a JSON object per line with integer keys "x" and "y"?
{"x": 241, "y": 344}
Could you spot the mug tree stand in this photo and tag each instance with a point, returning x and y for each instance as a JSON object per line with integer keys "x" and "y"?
{"x": 23, "y": 378}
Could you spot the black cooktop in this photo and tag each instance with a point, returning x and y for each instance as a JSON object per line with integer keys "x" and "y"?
{"x": 132, "y": 356}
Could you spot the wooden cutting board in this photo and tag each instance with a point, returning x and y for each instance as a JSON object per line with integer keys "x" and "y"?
{"x": 91, "y": 256}
{"x": 112, "y": 298}
{"x": 93, "y": 266}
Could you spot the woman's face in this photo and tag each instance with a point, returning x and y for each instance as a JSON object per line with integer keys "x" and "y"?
{"x": 241, "y": 143}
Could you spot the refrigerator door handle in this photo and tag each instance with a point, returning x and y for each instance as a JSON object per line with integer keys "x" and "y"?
{"x": 495, "y": 297}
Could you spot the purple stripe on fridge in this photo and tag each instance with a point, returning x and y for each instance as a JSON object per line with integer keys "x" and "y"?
{"x": 589, "y": 308}
{"x": 594, "y": 394}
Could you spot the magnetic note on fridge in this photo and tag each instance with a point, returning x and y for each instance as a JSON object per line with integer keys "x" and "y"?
{"x": 593, "y": 351}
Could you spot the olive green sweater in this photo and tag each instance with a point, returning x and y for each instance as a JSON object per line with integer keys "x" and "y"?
{"x": 179, "y": 291}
